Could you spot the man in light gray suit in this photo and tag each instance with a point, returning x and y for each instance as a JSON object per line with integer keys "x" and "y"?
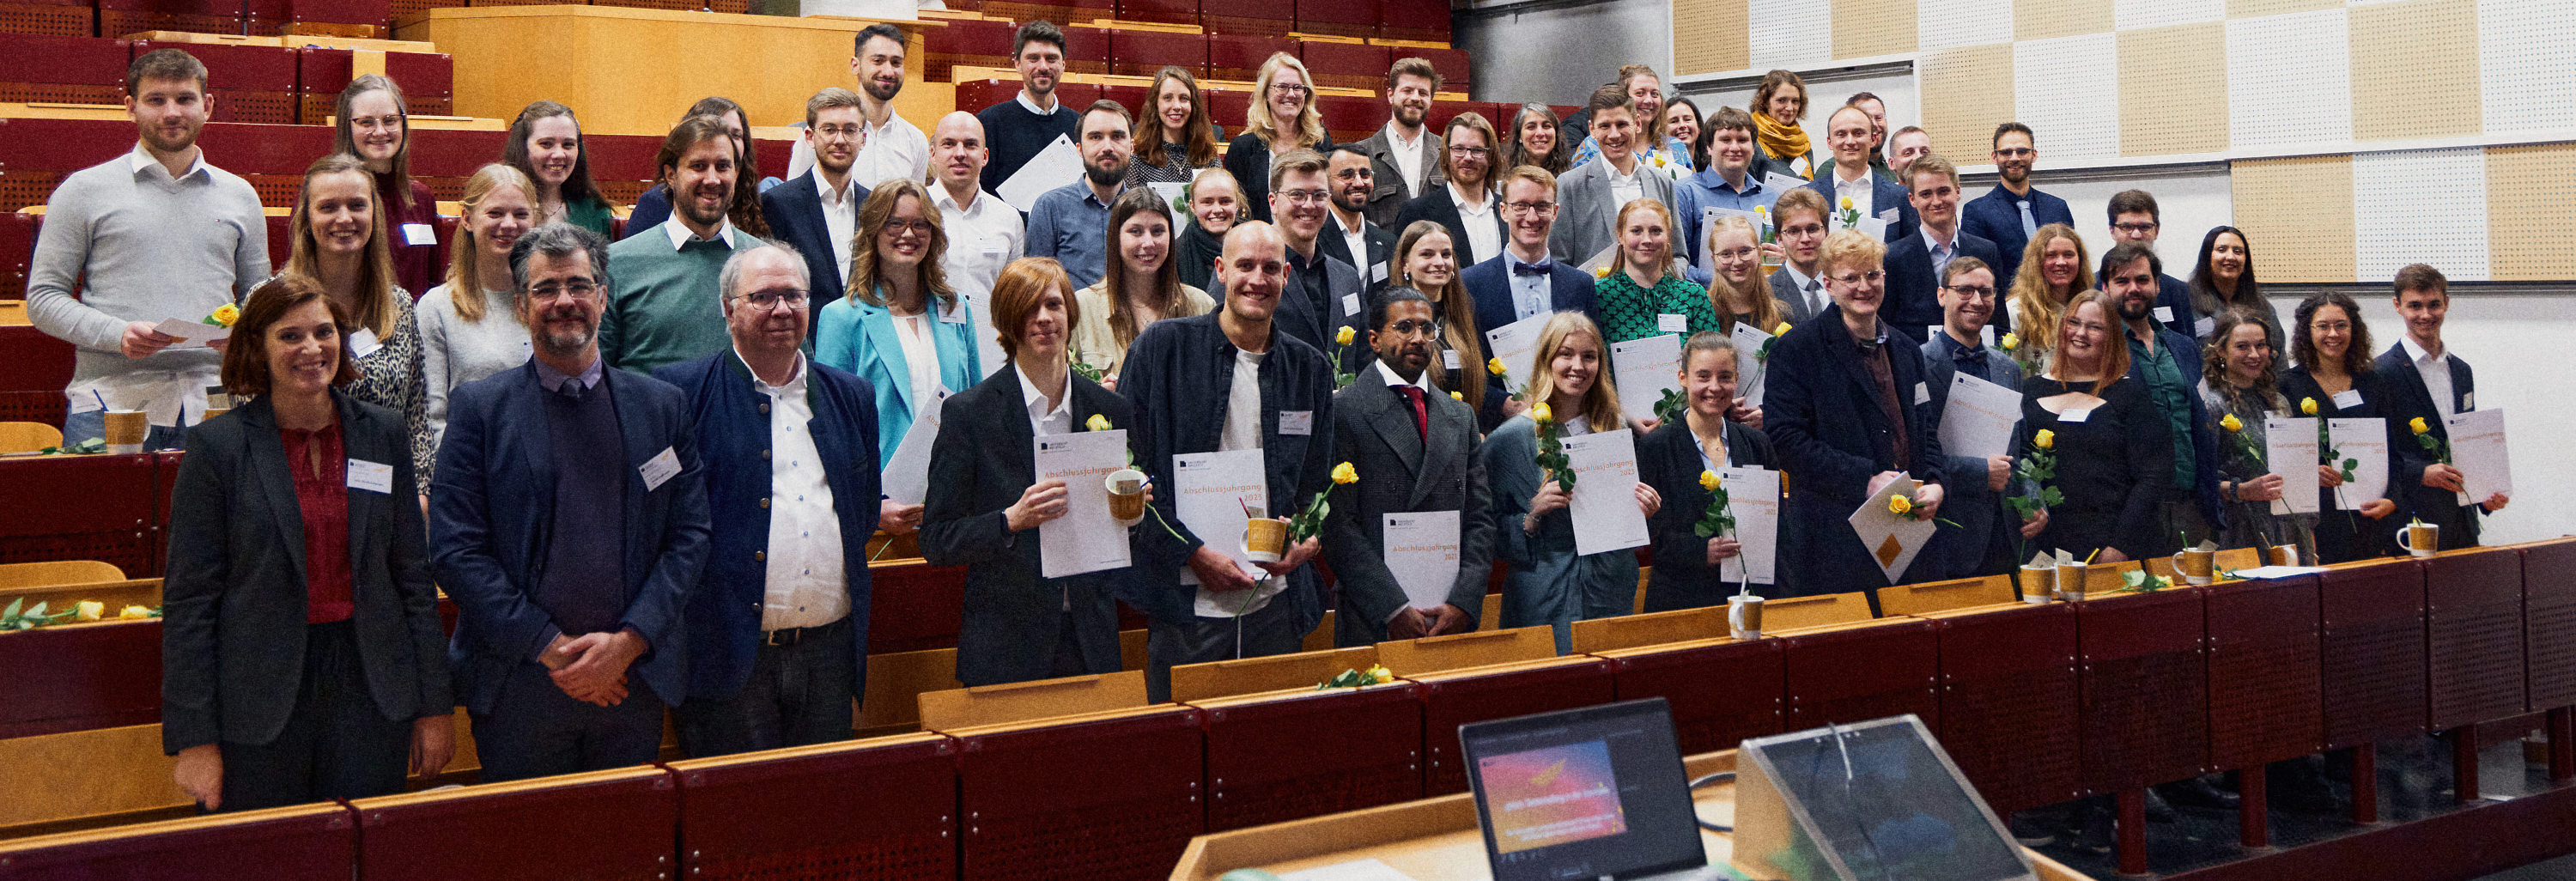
{"x": 1403, "y": 154}
{"x": 1590, "y": 195}
{"x": 1799, "y": 217}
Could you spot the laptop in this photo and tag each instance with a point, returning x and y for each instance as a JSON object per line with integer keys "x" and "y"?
{"x": 1596, "y": 793}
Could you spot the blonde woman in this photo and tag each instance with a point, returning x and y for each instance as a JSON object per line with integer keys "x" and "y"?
{"x": 1282, "y": 118}
{"x": 1548, "y": 582}
{"x": 1736, "y": 288}
{"x": 2054, "y": 267}
{"x": 1643, "y": 288}
{"x": 341, "y": 244}
{"x": 900, "y": 326}
{"x": 469, "y": 326}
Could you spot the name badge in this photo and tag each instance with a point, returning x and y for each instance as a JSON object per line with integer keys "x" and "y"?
{"x": 992, "y": 247}
{"x": 1671, "y": 324}
{"x": 954, "y": 314}
{"x": 2348, "y": 398}
{"x": 363, "y": 343}
{"x": 1888, "y": 215}
{"x": 2202, "y": 327}
{"x": 1296, "y": 422}
{"x": 419, "y": 234}
{"x": 1922, "y": 393}
{"x": 376, "y": 477}
{"x": 2164, "y": 314}
{"x": 1350, "y": 304}
{"x": 2075, "y": 415}
{"x": 1449, "y": 359}
{"x": 659, "y": 470}
{"x": 1377, "y": 273}
{"x": 2468, "y": 401}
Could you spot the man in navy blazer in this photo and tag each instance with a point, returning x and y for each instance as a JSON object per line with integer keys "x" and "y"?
{"x": 2421, "y": 379}
{"x": 1982, "y": 541}
{"x": 777, "y": 628}
{"x": 817, "y": 212}
{"x": 1523, "y": 281}
{"x": 2009, "y": 213}
{"x": 1845, "y": 406}
{"x": 1915, "y": 262}
{"x": 569, "y": 522}
{"x": 1850, "y": 133}
{"x": 2135, "y": 218}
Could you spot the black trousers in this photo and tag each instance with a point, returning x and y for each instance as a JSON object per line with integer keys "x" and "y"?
{"x": 536, "y": 730}
{"x": 1270, "y": 630}
{"x": 797, "y": 695}
{"x": 336, "y": 744}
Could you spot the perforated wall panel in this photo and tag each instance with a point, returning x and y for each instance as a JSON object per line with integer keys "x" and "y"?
{"x": 2288, "y": 80}
{"x": 1941, "y": 24}
{"x": 2173, "y": 90}
{"x": 2260, "y": 8}
{"x": 1958, "y": 110}
{"x": 2299, "y": 211}
{"x": 2042, "y": 19}
{"x": 1866, "y": 28}
{"x": 2526, "y": 76}
{"x": 2135, "y": 14}
{"x": 1709, "y": 37}
{"x": 2398, "y": 219}
{"x": 1790, "y": 34}
{"x": 2528, "y": 191}
{"x": 2058, "y": 88}
{"x": 2404, "y": 56}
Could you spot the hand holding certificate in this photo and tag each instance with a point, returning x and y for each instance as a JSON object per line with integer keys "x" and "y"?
{"x": 1515, "y": 344}
{"x": 1603, "y": 504}
{"x": 1979, "y": 419}
{"x": 1753, "y": 496}
{"x": 1086, "y": 538}
{"x": 1891, "y": 537}
{"x": 1422, "y": 553}
{"x": 2289, "y": 446}
{"x": 1645, "y": 369}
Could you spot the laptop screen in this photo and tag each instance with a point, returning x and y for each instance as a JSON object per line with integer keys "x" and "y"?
{"x": 1597, "y": 792}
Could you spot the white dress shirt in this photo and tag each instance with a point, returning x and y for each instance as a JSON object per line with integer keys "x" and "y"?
{"x": 1624, "y": 188}
{"x": 983, "y": 236}
{"x": 920, "y": 357}
{"x": 1394, "y": 379}
{"x": 1243, "y": 404}
{"x": 1484, "y": 234}
{"x": 840, "y": 217}
{"x": 1862, "y": 194}
{"x": 808, "y": 584}
{"x": 681, "y": 236}
{"x": 1355, "y": 238}
{"x": 2435, "y": 367}
{"x": 1044, "y": 420}
{"x": 896, "y": 149}
{"x": 1408, "y": 156}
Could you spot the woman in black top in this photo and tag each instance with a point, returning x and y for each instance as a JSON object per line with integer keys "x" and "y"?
{"x": 2114, "y": 455}
{"x": 1216, "y": 202}
{"x": 1670, "y": 459}
{"x": 1282, "y": 118}
{"x": 2330, "y": 350}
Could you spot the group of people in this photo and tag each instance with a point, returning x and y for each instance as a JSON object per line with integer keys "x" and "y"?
{"x": 647, "y": 470}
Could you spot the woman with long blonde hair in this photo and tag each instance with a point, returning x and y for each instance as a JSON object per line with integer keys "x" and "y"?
{"x": 1282, "y": 118}
{"x": 900, "y": 326}
{"x": 1737, "y": 288}
{"x": 1426, "y": 260}
{"x": 341, "y": 244}
{"x": 2054, "y": 268}
{"x": 469, "y": 326}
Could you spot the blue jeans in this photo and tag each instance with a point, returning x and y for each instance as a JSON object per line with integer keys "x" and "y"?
{"x": 797, "y": 695}
{"x": 79, "y": 427}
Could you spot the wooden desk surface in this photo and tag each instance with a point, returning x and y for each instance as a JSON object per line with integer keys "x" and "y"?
{"x": 1436, "y": 839}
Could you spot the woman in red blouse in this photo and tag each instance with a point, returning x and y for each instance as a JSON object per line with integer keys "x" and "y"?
{"x": 302, "y": 657}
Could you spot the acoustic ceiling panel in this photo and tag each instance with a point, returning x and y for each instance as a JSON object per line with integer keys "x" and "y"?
{"x": 2173, "y": 90}
{"x": 2299, "y": 213}
{"x": 2134, "y": 14}
{"x": 2410, "y": 64}
{"x": 2260, "y": 8}
{"x": 2397, "y": 221}
{"x": 1870, "y": 28}
{"x": 1942, "y": 24}
{"x": 1959, "y": 109}
{"x": 2064, "y": 88}
{"x": 2526, "y": 75}
{"x": 2042, "y": 19}
{"x": 2288, "y": 80}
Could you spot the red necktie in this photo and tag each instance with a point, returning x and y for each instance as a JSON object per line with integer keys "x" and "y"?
{"x": 1421, "y": 414}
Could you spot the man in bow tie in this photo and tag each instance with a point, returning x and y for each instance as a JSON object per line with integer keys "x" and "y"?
{"x": 1523, "y": 282}
{"x": 1981, "y": 543}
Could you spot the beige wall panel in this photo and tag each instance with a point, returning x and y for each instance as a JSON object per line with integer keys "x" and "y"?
{"x": 1867, "y": 28}
{"x": 1710, "y": 36}
{"x": 2042, "y": 19}
{"x": 2410, "y": 66}
{"x": 2301, "y": 211}
{"x": 1966, "y": 93}
{"x": 2528, "y": 191}
{"x": 2258, "y": 8}
{"x": 2173, "y": 90}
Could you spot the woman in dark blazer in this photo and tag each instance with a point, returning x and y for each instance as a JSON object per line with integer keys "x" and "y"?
{"x": 302, "y": 657}
{"x": 2331, "y": 365}
{"x": 1671, "y": 458}
{"x": 2115, "y": 459}
{"x": 984, "y": 515}
{"x": 1282, "y": 118}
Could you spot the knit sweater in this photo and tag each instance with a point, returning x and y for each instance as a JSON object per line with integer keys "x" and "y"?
{"x": 454, "y": 351}
{"x": 663, "y": 303}
{"x": 1016, "y": 136}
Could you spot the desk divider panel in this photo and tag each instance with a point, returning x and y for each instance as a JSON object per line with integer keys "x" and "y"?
{"x": 1721, "y": 690}
{"x": 2473, "y": 637}
{"x": 877, "y": 809}
{"x": 79, "y": 677}
{"x": 2371, "y": 670}
{"x": 1937, "y": 596}
{"x": 1501, "y": 691}
{"x": 1456, "y": 651}
{"x": 2142, "y": 689}
{"x": 1597, "y": 635}
{"x": 2549, "y": 621}
{"x": 1858, "y": 672}
{"x": 1192, "y": 683}
{"x": 315, "y": 842}
{"x": 2264, "y": 703}
{"x": 2008, "y": 697}
{"x": 108, "y": 516}
{"x": 618, "y": 824}
{"x": 1112, "y": 796}
{"x": 1298, "y": 753}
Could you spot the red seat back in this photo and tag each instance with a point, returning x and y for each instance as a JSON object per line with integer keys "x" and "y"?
{"x": 882, "y": 808}
{"x": 2008, "y": 682}
{"x": 603, "y": 824}
{"x": 112, "y": 520}
{"x": 1145, "y": 53}
{"x": 246, "y": 83}
{"x": 1348, "y": 18}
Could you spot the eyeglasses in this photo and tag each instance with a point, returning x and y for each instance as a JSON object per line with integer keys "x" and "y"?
{"x": 1542, "y": 209}
{"x": 915, "y": 227}
{"x": 1978, "y": 292}
{"x": 2016, "y": 152}
{"x": 1410, "y": 326}
{"x": 580, "y": 290}
{"x": 1870, "y": 277}
{"x": 1738, "y": 254}
{"x": 1287, "y": 89}
{"x": 374, "y": 123}
{"x": 837, "y": 132}
{"x": 793, "y": 297}
{"x": 1470, "y": 152}
{"x": 1303, "y": 197}
{"x": 1812, "y": 229}
{"x": 2134, "y": 228}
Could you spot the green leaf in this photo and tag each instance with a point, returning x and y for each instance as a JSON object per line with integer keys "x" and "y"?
{"x": 12, "y": 611}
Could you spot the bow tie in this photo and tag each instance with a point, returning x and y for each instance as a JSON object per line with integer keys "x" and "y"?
{"x": 1970, "y": 357}
{"x": 1540, "y": 268}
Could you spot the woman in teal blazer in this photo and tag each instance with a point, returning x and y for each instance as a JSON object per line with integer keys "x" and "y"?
{"x": 900, "y": 327}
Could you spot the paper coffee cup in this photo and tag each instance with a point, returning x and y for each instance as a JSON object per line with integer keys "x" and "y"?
{"x": 125, "y": 431}
{"x": 1264, "y": 539}
{"x": 1126, "y": 488}
{"x": 2037, "y": 586}
{"x": 2070, "y": 581}
{"x": 1744, "y": 616}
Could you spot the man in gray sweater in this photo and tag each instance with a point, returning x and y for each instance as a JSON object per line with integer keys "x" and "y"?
{"x": 159, "y": 234}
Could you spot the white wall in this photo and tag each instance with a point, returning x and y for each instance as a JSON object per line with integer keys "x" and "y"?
{"x": 1557, "y": 53}
{"x": 1826, "y": 88}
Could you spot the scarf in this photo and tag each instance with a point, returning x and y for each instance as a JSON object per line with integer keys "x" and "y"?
{"x": 1782, "y": 142}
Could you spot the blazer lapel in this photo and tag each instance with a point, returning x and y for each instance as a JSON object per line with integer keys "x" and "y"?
{"x": 527, "y": 426}
{"x": 1449, "y": 427}
{"x": 1022, "y": 452}
{"x": 1391, "y": 416}
{"x": 640, "y": 433}
{"x": 2461, "y": 392}
{"x": 267, "y": 455}
{"x": 887, "y": 345}
{"x": 2410, "y": 382}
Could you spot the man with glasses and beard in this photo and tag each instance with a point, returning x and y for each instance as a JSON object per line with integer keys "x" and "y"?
{"x": 2011, "y": 212}
{"x": 2170, "y": 362}
{"x": 1070, "y": 224}
{"x": 569, "y": 523}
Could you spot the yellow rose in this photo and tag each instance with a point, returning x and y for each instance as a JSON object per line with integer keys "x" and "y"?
{"x": 134, "y": 612}
{"x": 2308, "y": 406}
{"x": 89, "y": 610}
{"x": 1757, "y": 209}
{"x": 2231, "y": 423}
{"x": 1381, "y": 675}
{"x": 1345, "y": 336}
{"x": 1782, "y": 330}
{"x": 1344, "y": 473}
{"x": 226, "y": 314}
{"x": 2010, "y": 341}
{"x": 1708, "y": 480}
{"x": 2417, "y": 425}
{"x": 1847, "y": 205}
{"x": 2045, "y": 439}
{"x": 1540, "y": 413}
{"x": 1454, "y": 396}
{"x": 1494, "y": 366}
{"x": 1097, "y": 422}
{"x": 1603, "y": 272}
{"x": 1899, "y": 504}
